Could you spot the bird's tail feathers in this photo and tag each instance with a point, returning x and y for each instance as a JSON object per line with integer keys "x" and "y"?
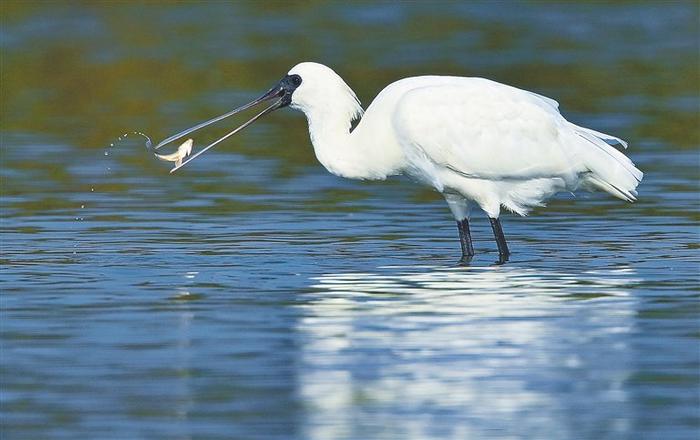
{"x": 599, "y": 135}
{"x": 609, "y": 169}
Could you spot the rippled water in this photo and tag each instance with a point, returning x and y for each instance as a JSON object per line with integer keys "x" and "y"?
{"x": 253, "y": 295}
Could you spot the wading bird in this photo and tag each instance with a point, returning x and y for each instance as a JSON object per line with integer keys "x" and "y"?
{"x": 474, "y": 140}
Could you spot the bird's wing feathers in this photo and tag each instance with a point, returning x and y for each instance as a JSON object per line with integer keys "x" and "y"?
{"x": 480, "y": 128}
{"x": 549, "y": 101}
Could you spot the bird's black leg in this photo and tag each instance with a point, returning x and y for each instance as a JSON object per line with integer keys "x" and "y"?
{"x": 465, "y": 240}
{"x": 503, "y": 252}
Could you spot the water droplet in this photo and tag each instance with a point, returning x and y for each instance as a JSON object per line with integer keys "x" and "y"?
{"x": 111, "y": 145}
{"x": 92, "y": 189}
{"x": 82, "y": 206}
{"x": 106, "y": 153}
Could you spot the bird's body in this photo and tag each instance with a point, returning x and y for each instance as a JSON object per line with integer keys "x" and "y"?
{"x": 493, "y": 144}
{"x": 474, "y": 140}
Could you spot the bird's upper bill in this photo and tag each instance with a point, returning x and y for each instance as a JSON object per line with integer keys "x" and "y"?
{"x": 280, "y": 94}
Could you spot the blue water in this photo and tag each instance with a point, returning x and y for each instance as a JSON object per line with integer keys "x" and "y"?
{"x": 253, "y": 295}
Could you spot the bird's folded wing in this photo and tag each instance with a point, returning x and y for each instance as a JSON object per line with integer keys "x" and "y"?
{"x": 487, "y": 130}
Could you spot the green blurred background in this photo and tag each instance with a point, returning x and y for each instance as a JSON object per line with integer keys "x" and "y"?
{"x": 85, "y": 71}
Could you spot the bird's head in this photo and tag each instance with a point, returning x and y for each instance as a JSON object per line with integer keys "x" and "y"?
{"x": 320, "y": 89}
{"x": 309, "y": 87}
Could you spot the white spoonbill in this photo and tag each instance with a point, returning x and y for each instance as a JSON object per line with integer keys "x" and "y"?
{"x": 474, "y": 140}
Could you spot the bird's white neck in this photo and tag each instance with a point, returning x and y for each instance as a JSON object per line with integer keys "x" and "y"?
{"x": 361, "y": 154}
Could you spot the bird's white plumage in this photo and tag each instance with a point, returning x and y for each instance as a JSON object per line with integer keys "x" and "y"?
{"x": 470, "y": 138}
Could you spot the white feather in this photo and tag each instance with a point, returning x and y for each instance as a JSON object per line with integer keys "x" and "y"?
{"x": 487, "y": 142}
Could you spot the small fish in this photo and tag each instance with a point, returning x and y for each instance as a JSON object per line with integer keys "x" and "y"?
{"x": 182, "y": 152}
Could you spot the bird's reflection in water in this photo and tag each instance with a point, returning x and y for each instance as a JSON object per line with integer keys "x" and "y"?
{"x": 467, "y": 353}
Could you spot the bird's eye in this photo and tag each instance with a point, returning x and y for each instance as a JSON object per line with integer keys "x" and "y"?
{"x": 296, "y": 80}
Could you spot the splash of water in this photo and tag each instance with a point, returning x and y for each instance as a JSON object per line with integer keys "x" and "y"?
{"x": 107, "y": 170}
{"x": 149, "y": 143}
